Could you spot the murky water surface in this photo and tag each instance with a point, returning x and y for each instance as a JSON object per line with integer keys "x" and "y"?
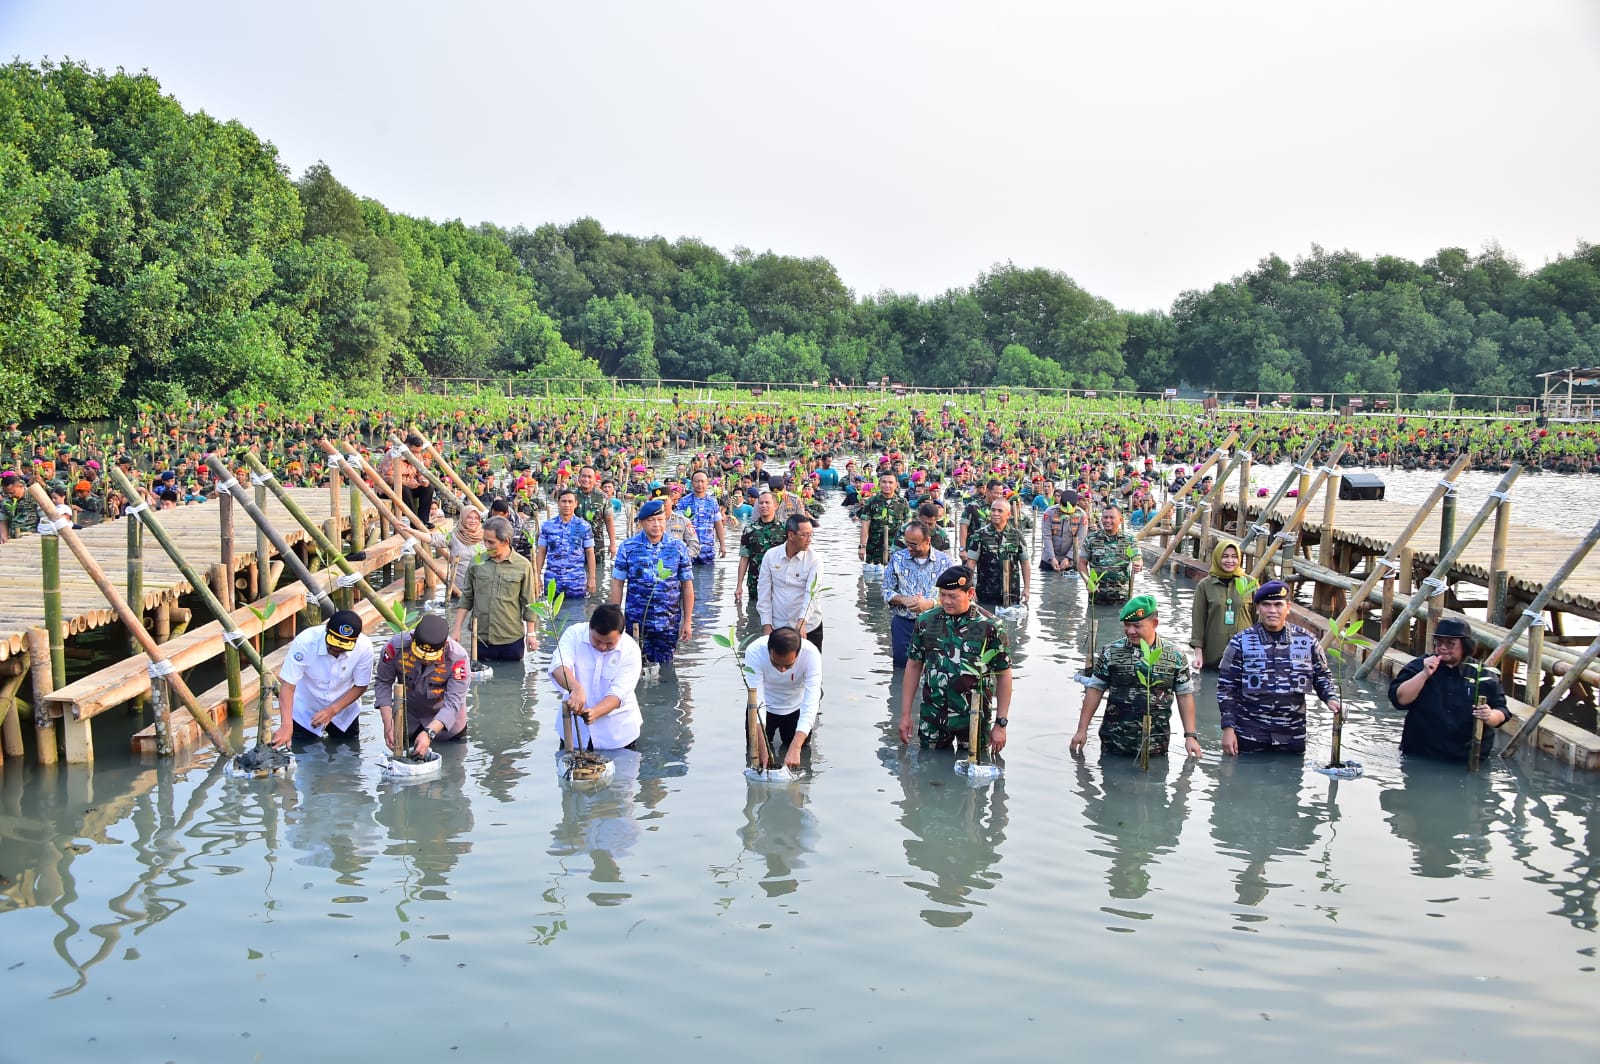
{"x": 1248, "y": 909}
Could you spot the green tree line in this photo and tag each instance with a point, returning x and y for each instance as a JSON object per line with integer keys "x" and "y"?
{"x": 153, "y": 255}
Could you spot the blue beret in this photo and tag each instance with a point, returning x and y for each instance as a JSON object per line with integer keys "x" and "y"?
{"x": 649, "y": 509}
{"x": 1272, "y": 591}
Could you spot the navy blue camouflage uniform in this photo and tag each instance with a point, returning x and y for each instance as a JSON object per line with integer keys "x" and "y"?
{"x": 1262, "y": 683}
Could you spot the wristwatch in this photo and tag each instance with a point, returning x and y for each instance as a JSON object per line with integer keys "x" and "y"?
{"x": 1002, "y": 722}
{"x": 432, "y": 735}
{"x": 1192, "y": 735}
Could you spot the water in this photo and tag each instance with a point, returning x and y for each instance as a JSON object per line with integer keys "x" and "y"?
{"x": 884, "y": 908}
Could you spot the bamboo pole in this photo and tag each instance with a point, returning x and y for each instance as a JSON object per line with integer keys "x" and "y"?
{"x": 1534, "y": 682}
{"x": 1551, "y": 700}
{"x": 158, "y": 661}
{"x": 1213, "y": 498}
{"x": 44, "y": 727}
{"x": 1535, "y": 609}
{"x": 1259, "y": 527}
{"x": 752, "y": 716}
{"x": 1436, "y": 580}
{"x": 1499, "y": 579}
{"x": 351, "y": 578}
{"x": 433, "y": 452}
{"x": 1188, "y": 486}
{"x": 50, "y": 564}
{"x": 403, "y": 518}
{"x": 1292, "y": 526}
{"x": 264, "y": 527}
{"x": 1388, "y": 563}
{"x": 1325, "y": 548}
{"x": 264, "y": 581}
{"x": 219, "y": 605}
{"x": 225, "y": 598}
{"x": 423, "y": 538}
{"x": 445, "y": 491}
{"x": 136, "y": 564}
{"x": 1242, "y": 517}
{"x": 358, "y": 523}
{"x": 11, "y": 715}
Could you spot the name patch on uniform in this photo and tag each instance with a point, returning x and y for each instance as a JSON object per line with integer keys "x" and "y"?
{"x": 459, "y": 671}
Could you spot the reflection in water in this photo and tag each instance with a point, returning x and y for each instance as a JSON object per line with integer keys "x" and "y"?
{"x": 600, "y": 824}
{"x": 505, "y": 734}
{"x": 1136, "y": 814}
{"x": 956, "y": 831}
{"x": 425, "y": 822}
{"x": 332, "y": 816}
{"x": 1445, "y": 814}
{"x": 780, "y": 829}
{"x": 1257, "y": 814}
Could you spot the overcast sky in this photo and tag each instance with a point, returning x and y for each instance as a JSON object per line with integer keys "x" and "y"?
{"x": 1142, "y": 148}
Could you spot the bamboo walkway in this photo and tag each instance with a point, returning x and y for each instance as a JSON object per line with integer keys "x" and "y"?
{"x": 1370, "y": 527}
{"x": 195, "y": 529}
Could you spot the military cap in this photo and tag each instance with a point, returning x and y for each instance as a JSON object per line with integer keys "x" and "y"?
{"x": 1272, "y": 591}
{"x": 1139, "y": 607}
{"x": 649, "y": 509}
{"x": 344, "y": 628}
{"x": 955, "y": 578}
{"x": 429, "y": 637}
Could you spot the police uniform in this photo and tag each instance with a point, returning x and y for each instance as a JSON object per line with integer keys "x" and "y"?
{"x": 1264, "y": 678}
{"x": 436, "y": 682}
{"x": 320, "y": 678}
{"x": 1120, "y": 672}
{"x": 1108, "y": 558}
{"x": 945, "y": 645}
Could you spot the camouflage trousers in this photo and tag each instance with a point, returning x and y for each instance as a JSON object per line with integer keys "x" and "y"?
{"x": 656, "y": 645}
{"x": 1122, "y": 732}
{"x": 939, "y": 728}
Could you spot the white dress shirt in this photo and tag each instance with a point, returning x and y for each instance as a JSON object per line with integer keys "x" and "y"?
{"x": 799, "y": 690}
{"x": 613, "y": 672}
{"x": 785, "y": 586}
{"x": 320, "y": 679}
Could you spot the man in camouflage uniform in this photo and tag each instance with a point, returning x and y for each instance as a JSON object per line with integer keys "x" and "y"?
{"x": 1117, "y": 678}
{"x": 999, "y": 555}
{"x": 659, "y": 580}
{"x": 1113, "y": 556}
{"x": 1265, "y": 675}
{"x": 882, "y": 518}
{"x": 760, "y": 536}
{"x": 976, "y": 514}
{"x": 947, "y": 640}
{"x": 566, "y": 549}
{"x": 595, "y": 508}
{"x": 18, "y": 512}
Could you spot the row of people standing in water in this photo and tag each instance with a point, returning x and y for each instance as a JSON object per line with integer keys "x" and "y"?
{"x": 941, "y": 585}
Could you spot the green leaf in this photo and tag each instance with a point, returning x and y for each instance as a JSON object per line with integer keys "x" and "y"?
{"x": 722, "y": 641}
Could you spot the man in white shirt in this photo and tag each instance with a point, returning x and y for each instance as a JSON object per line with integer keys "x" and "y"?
{"x": 786, "y": 673}
{"x": 595, "y": 669}
{"x": 788, "y": 574}
{"x": 328, "y": 669}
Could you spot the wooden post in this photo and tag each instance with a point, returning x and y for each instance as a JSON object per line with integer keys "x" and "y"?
{"x": 358, "y": 523}
{"x": 1325, "y": 553}
{"x": 1447, "y": 520}
{"x": 225, "y": 598}
{"x": 335, "y": 505}
{"x": 264, "y": 582}
{"x": 158, "y": 661}
{"x": 1534, "y": 683}
{"x": 136, "y": 569}
{"x": 1436, "y": 580}
{"x": 11, "y": 712}
{"x": 1243, "y": 521}
{"x": 44, "y": 728}
{"x": 1291, "y": 528}
{"x": 1188, "y": 486}
{"x": 50, "y": 563}
{"x": 1499, "y": 580}
{"x": 1551, "y": 700}
{"x": 1400, "y": 550}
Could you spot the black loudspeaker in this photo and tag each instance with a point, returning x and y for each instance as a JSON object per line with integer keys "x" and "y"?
{"x": 1360, "y": 486}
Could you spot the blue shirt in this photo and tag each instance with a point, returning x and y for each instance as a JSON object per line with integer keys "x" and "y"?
{"x": 907, "y": 576}
{"x": 653, "y": 601}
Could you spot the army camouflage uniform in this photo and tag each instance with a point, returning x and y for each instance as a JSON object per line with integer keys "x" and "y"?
{"x": 943, "y": 643}
{"x": 1262, "y": 683}
{"x": 21, "y": 515}
{"x": 992, "y": 552}
{"x": 1116, "y": 672}
{"x": 593, "y": 506}
{"x": 1107, "y": 557}
{"x": 754, "y": 542}
{"x": 885, "y": 518}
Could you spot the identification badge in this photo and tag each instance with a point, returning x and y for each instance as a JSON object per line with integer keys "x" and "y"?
{"x": 1227, "y": 617}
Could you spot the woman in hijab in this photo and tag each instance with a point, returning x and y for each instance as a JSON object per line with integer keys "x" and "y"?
{"x": 1221, "y": 606}
{"x": 465, "y": 541}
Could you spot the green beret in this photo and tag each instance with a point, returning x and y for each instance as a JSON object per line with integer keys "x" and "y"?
{"x": 1139, "y": 607}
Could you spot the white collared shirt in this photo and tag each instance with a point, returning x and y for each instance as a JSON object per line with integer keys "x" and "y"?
{"x": 320, "y": 679}
{"x": 799, "y": 690}
{"x": 602, "y": 673}
{"x": 785, "y": 587}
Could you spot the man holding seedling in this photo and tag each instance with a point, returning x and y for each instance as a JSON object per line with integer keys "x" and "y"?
{"x": 436, "y": 675}
{"x": 1112, "y": 555}
{"x": 1136, "y": 676}
{"x": 653, "y": 574}
{"x": 956, "y": 650}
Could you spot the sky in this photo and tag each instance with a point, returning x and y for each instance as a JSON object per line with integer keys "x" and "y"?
{"x": 1143, "y": 148}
